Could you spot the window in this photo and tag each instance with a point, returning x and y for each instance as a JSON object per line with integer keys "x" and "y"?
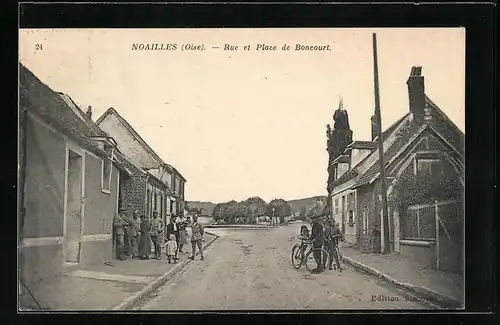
{"x": 351, "y": 218}
{"x": 148, "y": 203}
{"x": 106, "y": 175}
{"x": 428, "y": 167}
{"x": 336, "y": 206}
{"x": 365, "y": 221}
{"x": 161, "y": 205}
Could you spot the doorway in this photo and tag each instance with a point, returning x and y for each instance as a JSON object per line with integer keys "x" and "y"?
{"x": 73, "y": 216}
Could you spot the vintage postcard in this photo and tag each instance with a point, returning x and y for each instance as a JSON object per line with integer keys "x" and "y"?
{"x": 241, "y": 169}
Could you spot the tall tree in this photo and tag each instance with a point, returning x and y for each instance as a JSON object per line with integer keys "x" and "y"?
{"x": 337, "y": 140}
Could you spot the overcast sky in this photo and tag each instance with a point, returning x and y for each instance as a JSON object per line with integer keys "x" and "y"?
{"x": 247, "y": 123}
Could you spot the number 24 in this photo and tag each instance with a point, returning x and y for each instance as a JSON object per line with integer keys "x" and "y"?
{"x": 38, "y": 47}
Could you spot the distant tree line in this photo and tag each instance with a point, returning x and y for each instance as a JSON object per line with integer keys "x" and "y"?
{"x": 249, "y": 210}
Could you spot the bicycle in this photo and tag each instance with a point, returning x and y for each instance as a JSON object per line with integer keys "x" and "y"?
{"x": 301, "y": 257}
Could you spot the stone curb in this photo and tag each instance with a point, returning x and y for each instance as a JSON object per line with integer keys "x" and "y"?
{"x": 432, "y": 297}
{"x": 153, "y": 285}
{"x": 238, "y": 227}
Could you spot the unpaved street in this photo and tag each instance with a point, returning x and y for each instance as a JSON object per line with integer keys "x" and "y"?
{"x": 251, "y": 269}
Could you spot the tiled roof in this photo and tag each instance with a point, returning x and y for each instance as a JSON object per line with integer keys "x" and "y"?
{"x": 56, "y": 109}
{"x": 342, "y": 159}
{"x": 354, "y": 172}
{"x": 35, "y": 96}
{"x": 440, "y": 122}
{"x": 446, "y": 128}
{"x": 403, "y": 137}
{"x": 91, "y": 124}
{"x": 362, "y": 145}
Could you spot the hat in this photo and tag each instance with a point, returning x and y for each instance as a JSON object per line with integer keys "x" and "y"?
{"x": 121, "y": 209}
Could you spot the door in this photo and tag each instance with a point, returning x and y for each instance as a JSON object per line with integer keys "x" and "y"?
{"x": 73, "y": 208}
{"x": 343, "y": 214}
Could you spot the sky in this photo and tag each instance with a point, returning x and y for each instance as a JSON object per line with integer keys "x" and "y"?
{"x": 247, "y": 123}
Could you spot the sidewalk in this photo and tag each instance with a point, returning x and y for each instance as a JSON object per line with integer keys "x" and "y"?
{"x": 441, "y": 288}
{"x": 104, "y": 286}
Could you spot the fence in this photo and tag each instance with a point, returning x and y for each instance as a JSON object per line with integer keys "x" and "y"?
{"x": 441, "y": 223}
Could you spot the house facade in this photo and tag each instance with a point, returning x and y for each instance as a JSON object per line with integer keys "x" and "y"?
{"x": 423, "y": 142}
{"x": 68, "y": 184}
{"x": 152, "y": 184}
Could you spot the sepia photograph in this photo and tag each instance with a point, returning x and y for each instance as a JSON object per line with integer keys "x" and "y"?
{"x": 229, "y": 169}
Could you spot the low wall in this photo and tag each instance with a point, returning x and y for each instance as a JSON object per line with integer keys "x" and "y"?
{"x": 422, "y": 252}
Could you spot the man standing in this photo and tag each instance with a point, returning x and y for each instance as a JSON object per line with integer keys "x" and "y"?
{"x": 155, "y": 232}
{"x": 317, "y": 241}
{"x": 332, "y": 234}
{"x": 135, "y": 233}
{"x": 127, "y": 234}
{"x": 197, "y": 233}
{"x": 173, "y": 228}
{"x": 118, "y": 224}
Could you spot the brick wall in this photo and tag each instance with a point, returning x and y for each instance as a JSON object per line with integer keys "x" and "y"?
{"x": 133, "y": 190}
{"x": 367, "y": 241}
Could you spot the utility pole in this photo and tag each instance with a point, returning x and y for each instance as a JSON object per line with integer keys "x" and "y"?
{"x": 383, "y": 188}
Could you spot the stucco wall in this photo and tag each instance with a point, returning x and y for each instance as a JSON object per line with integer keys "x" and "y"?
{"x": 36, "y": 263}
{"x": 100, "y": 207}
{"x": 96, "y": 251}
{"x": 127, "y": 144}
{"x": 44, "y": 189}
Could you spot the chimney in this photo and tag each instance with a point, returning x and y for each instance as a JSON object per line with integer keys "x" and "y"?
{"x": 89, "y": 112}
{"x": 416, "y": 92}
{"x": 374, "y": 127}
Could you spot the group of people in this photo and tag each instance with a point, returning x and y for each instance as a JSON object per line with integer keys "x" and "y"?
{"x": 325, "y": 233}
{"x": 134, "y": 235}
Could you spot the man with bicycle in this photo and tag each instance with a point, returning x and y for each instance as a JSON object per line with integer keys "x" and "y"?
{"x": 332, "y": 235}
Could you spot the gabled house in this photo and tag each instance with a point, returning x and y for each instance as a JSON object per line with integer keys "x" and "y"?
{"x": 68, "y": 183}
{"x": 153, "y": 184}
{"x": 422, "y": 141}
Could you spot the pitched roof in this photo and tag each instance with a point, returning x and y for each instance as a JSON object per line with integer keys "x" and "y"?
{"x": 362, "y": 145}
{"x": 439, "y": 123}
{"x": 403, "y": 138}
{"x": 83, "y": 116}
{"x": 136, "y": 135}
{"x": 354, "y": 172}
{"x": 133, "y": 132}
{"x": 342, "y": 159}
{"x": 37, "y": 97}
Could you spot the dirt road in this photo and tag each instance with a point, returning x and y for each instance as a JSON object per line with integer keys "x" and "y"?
{"x": 251, "y": 269}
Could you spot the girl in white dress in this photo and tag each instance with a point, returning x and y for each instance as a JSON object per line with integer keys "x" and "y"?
{"x": 172, "y": 249}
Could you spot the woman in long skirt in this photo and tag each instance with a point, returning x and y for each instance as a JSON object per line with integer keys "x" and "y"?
{"x": 183, "y": 235}
{"x": 145, "y": 239}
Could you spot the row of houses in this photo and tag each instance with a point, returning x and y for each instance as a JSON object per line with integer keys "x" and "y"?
{"x": 424, "y": 141}
{"x": 75, "y": 174}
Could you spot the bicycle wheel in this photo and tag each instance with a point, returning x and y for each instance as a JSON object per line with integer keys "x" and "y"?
{"x": 296, "y": 256}
{"x": 310, "y": 260}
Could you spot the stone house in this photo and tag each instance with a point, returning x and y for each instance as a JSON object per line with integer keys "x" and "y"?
{"x": 424, "y": 140}
{"x": 68, "y": 184}
{"x": 152, "y": 184}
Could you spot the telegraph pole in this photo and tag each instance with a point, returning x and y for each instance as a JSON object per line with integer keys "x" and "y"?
{"x": 383, "y": 188}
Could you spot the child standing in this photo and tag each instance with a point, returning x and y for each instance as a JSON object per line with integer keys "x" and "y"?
{"x": 172, "y": 249}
